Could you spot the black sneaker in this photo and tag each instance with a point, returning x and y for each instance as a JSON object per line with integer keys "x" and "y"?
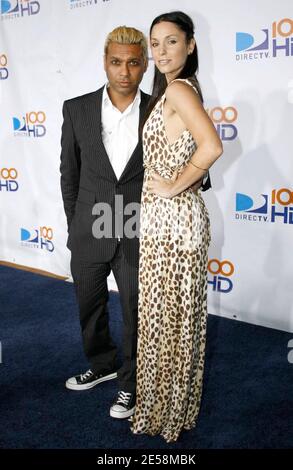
{"x": 88, "y": 380}
{"x": 123, "y": 406}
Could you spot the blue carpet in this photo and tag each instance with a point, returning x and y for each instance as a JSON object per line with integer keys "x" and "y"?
{"x": 247, "y": 399}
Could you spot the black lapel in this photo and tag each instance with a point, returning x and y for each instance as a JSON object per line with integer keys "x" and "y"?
{"x": 94, "y": 116}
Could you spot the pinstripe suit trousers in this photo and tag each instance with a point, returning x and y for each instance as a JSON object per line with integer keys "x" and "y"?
{"x": 90, "y": 278}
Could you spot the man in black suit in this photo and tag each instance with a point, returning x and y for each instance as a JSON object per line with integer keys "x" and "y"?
{"x": 101, "y": 159}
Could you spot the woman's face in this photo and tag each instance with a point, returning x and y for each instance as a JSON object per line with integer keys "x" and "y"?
{"x": 169, "y": 48}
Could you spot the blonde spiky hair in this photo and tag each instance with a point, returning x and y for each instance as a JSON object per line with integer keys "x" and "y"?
{"x": 127, "y": 35}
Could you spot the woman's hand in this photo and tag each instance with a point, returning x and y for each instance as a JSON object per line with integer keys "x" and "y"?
{"x": 160, "y": 186}
{"x": 163, "y": 187}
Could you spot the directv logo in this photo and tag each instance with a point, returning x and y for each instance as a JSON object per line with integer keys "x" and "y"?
{"x": 246, "y": 42}
{"x": 37, "y": 238}
{"x": 268, "y": 42}
{"x": 279, "y": 209}
{"x": 30, "y": 125}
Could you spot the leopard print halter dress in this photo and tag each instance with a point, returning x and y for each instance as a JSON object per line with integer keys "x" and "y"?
{"x": 174, "y": 241}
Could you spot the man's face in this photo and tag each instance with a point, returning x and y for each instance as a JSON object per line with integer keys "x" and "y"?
{"x": 124, "y": 66}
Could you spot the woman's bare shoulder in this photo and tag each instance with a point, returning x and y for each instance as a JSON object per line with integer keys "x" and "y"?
{"x": 181, "y": 90}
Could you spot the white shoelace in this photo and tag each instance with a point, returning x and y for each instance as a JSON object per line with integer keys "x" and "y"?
{"x": 87, "y": 374}
{"x": 123, "y": 397}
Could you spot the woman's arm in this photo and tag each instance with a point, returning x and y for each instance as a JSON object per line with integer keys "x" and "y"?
{"x": 184, "y": 101}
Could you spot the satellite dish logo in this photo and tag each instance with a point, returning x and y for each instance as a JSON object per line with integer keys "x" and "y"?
{"x": 40, "y": 238}
{"x": 245, "y": 41}
{"x": 11, "y": 6}
{"x": 18, "y": 8}
{"x": 273, "y": 41}
{"x": 279, "y": 206}
{"x": 245, "y": 203}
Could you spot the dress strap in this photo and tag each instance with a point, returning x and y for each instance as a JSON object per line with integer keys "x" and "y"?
{"x": 186, "y": 80}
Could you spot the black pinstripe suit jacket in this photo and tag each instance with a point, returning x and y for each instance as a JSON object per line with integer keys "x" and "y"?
{"x": 87, "y": 177}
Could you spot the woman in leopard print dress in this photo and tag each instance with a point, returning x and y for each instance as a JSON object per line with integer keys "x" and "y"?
{"x": 180, "y": 144}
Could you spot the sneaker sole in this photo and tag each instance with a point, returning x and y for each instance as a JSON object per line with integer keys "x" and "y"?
{"x": 92, "y": 384}
{"x": 122, "y": 415}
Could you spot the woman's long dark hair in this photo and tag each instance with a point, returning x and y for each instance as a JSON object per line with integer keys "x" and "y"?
{"x": 185, "y": 23}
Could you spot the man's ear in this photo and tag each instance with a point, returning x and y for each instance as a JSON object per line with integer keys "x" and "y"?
{"x": 105, "y": 58}
{"x": 146, "y": 64}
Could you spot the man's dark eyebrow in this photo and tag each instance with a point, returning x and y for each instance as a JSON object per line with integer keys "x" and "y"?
{"x": 130, "y": 58}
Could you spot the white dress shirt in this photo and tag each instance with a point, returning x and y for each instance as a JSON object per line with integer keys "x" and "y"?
{"x": 119, "y": 131}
